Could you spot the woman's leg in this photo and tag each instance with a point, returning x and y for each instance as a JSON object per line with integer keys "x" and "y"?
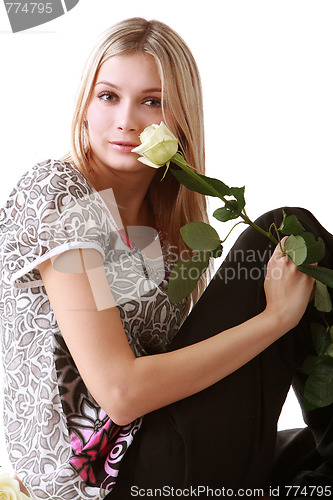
{"x": 225, "y": 435}
{"x": 305, "y": 457}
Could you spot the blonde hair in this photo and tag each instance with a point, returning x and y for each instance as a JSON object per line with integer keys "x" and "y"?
{"x": 173, "y": 205}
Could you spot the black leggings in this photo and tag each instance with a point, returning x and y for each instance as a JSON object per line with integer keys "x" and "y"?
{"x": 225, "y": 436}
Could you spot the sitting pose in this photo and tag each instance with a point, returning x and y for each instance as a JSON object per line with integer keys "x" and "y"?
{"x": 110, "y": 389}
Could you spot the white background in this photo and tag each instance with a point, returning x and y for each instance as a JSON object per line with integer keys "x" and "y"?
{"x": 267, "y": 78}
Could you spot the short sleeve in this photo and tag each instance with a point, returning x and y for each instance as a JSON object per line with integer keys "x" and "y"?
{"x": 52, "y": 209}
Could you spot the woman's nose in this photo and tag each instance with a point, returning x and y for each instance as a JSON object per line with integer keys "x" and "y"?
{"x": 127, "y": 119}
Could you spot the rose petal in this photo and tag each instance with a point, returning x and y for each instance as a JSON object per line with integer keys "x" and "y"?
{"x": 158, "y": 146}
{"x": 148, "y": 132}
{"x": 148, "y": 162}
{"x": 139, "y": 149}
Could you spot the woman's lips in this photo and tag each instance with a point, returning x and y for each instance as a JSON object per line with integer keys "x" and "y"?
{"x": 123, "y": 147}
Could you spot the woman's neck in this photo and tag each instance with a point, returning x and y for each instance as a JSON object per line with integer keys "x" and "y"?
{"x": 125, "y": 194}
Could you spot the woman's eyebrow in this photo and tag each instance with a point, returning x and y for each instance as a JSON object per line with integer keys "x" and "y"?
{"x": 116, "y": 87}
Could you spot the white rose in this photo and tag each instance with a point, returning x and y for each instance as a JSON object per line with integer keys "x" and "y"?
{"x": 158, "y": 145}
{"x": 10, "y": 489}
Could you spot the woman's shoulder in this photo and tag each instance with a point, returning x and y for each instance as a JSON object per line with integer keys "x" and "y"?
{"x": 45, "y": 182}
{"x": 55, "y": 173}
{"x": 49, "y": 190}
{"x": 58, "y": 166}
{"x": 51, "y": 206}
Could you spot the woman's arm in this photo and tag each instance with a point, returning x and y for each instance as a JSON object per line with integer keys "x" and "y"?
{"x": 127, "y": 387}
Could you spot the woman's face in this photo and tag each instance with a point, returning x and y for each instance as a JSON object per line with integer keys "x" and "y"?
{"x": 126, "y": 99}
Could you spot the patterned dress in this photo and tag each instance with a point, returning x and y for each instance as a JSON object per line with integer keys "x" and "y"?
{"x": 60, "y": 442}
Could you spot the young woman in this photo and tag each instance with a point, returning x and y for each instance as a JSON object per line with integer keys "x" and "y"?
{"x": 95, "y": 356}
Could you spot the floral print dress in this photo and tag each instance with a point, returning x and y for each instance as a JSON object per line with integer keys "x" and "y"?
{"x": 61, "y": 444}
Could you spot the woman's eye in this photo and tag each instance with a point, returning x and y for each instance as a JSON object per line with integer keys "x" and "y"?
{"x": 153, "y": 102}
{"x": 107, "y": 96}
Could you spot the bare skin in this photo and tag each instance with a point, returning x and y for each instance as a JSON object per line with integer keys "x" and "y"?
{"x": 127, "y": 387}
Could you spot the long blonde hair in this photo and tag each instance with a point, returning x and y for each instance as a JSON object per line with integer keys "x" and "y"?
{"x": 173, "y": 205}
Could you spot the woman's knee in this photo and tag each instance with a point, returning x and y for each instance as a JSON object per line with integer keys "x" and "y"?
{"x": 276, "y": 216}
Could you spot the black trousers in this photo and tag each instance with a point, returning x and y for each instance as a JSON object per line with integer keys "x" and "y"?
{"x": 225, "y": 436}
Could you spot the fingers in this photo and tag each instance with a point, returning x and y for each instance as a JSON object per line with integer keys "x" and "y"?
{"x": 278, "y": 259}
{"x": 279, "y": 251}
{"x": 280, "y": 265}
{"x": 287, "y": 289}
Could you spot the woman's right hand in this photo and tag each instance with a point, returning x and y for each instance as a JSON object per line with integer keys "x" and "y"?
{"x": 288, "y": 290}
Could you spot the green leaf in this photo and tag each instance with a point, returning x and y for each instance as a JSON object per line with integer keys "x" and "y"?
{"x": 322, "y": 274}
{"x": 295, "y": 247}
{"x": 224, "y": 214}
{"x": 331, "y": 333}
{"x": 322, "y": 301}
{"x": 185, "y": 275}
{"x": 217, "y": 252}
{"x": 238, "y": 193}
{"x": 329, "y": 350}
{"x": 201, "y": 184}
{"x": 167, "y": 165}
{"x": 291, "y": 225}
{"x": 318, "y": 390}
{"x": 310, "y": 363}
{"x": 319, "y": 337}
{"x": 316, "y": 249}
{"x": 200, "y": 236}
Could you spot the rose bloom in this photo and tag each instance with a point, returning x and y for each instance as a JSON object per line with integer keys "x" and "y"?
{"x": 10, "y": 489}
{"x": 158, "y": 145}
